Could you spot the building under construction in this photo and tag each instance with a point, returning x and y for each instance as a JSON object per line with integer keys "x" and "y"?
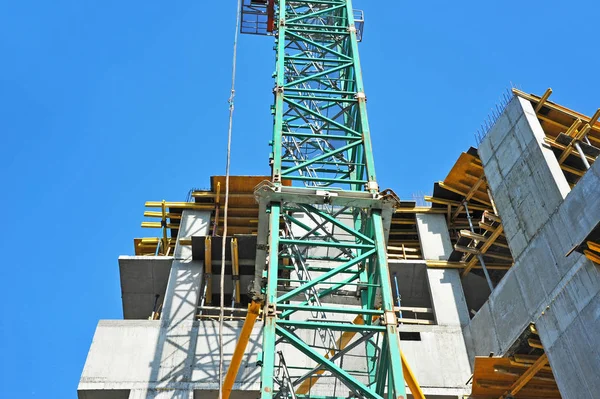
{"x": 313, "y": 282}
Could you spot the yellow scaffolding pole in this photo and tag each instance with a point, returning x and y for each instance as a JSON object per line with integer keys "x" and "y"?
{"x": 208, "y": 269}
{"x": 235, "y": 266}
{"x": 240, "y": 348}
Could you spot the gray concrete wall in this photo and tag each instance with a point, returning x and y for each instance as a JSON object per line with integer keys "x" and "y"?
{"x": 185, "y": 279}
{"x": 543, "y": 220}
{"x": 522, "y": 173}
{"x": 434, "y": 237}
{"x": 178, "y": 357}
{"x": 445, "y": 286}
{"x": 439, "y": 360}
{"x": 123, "y": 356}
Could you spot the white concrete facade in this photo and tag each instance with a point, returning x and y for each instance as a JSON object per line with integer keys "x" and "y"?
{"x": 177, "y": 356}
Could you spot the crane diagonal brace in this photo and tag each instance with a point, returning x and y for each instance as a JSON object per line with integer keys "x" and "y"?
{"x": 333, "y": 219}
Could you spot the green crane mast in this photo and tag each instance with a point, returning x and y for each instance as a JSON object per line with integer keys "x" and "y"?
{"x": 322, "y": 272}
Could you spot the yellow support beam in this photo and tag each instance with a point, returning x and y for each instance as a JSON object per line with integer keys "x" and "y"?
{"x": 569, "y": 148}
{"x": 182, "y": 205}
{"x": 152, "y": 214}
{"x": 208, "y": 268}
{"x": 496, "y": 233}
{"x": 411, "y": 380}
{"x": 165, "y": 240}
{"x": 240, "y": 348}
{"x": 235, "y": 266}
{"x": 526, "y": 376}
{"x": 158, "y": 225}
{"x": 594, "y": 257}
{"x": 543, "y": 100}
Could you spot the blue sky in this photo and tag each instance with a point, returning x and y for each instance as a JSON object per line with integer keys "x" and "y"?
{"x": 107, "y": 104}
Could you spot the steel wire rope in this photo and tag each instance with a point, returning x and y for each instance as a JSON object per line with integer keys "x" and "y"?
{"x": 226, "y": 208}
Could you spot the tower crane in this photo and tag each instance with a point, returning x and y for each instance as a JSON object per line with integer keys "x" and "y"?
{"x": 322, "y": 279}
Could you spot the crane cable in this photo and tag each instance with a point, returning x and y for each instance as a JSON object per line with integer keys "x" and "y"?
{"x": 223, "y": 246}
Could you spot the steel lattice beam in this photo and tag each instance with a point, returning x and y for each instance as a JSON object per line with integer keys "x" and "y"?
{"x": 328, "y": 262}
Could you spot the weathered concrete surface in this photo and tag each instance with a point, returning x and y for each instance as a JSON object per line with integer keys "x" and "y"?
{"x": 185, "y": 280}
{"x": 445, "y": 286}
{"x": 178, "y": 357}
{"x": 143, "y": 277}
{"x": 439, "y": 360}
{"x": 130, "y": 355}
{"x": 448, "y": 298}
{"x": 523, "y": 174}
{"x": 124, "y": 357}
{"x": 543, "y": 220}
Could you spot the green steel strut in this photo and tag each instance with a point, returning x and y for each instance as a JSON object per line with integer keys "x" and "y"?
{"x": 321, "y": 267}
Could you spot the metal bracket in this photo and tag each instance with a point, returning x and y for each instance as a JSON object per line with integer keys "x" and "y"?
{"x": 270, "y": 310}
{"x": 372, "y": 185}
{"x": 389, "y": 318}
{"x": 326, "y": 195}
{"x": 361, "y": 96}
{"x": 352, "y": 29}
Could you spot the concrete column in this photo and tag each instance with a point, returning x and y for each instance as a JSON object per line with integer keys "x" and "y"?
{"x": 185, "y": 279}
{"x": 522, "y": 172}
{"x": 447, "y": 297}
{"x": 434, "y": 237}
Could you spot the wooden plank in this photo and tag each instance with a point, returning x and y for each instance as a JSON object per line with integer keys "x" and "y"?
{"x": 420, "y": 209}
{"x": 540, "y": 104}
{"x": 413, "y": 309}
{"x": 528, "y": 375}
{"x": 535, "y": 343}
{"x": 444, "y": 201}
{"x": 489, "y": 383}
{"x": 405, "y": 249}
{"x": 416, "y": 321}
{"x": 495, "y": 234}
{"x": 472, "y": 236}
{"x": 462, "y": 192}
{"x": 470, "y": 250}
{"x": 592, "y": 256}
{"x": 443, "y": 264}
{"x": 558, "y": 108}
{"x": 594, "y": 246}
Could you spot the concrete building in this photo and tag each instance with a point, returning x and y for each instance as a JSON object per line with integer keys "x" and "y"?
{"x": 499, "y": 291}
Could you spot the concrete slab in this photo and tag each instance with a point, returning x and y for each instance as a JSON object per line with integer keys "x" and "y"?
{"x": 142, "y": 277}
{"x": 104, "y": 394}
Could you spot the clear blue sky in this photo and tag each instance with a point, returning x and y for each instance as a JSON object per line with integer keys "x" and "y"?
{"x": 107, "y": 104}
